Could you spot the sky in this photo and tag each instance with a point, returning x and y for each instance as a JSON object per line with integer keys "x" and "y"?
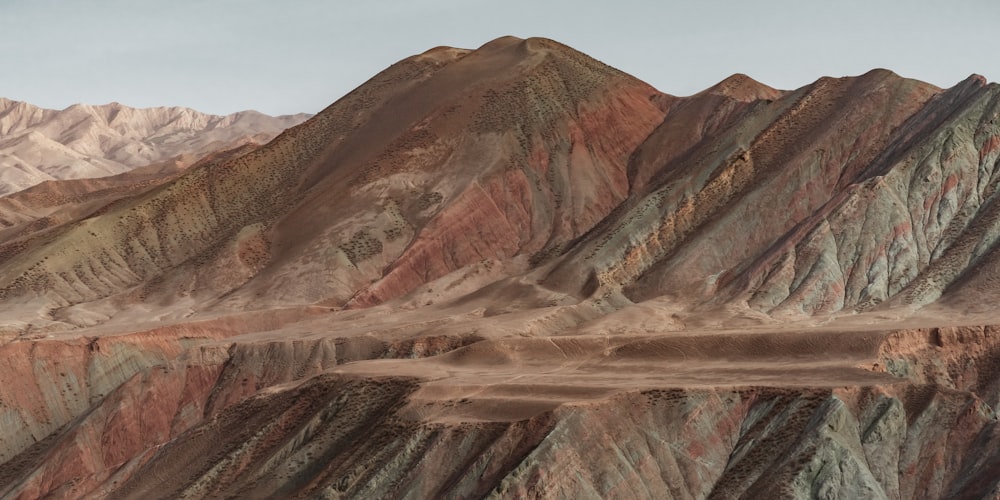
{"x": 290, "y": 56}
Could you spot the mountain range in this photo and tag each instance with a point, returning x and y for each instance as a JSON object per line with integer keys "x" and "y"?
{"x": 84, "y": 141}
{"x": 512, "y": 272}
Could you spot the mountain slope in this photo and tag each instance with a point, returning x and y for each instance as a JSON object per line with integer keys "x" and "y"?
{"x": 84, "y": 141}
{"x": 906, "y": 227}
{"x": 51, "y": 203}
{"x": 777, "y": 164}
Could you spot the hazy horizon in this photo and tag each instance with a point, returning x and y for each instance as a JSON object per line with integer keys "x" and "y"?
{"x": 300, "y": 56}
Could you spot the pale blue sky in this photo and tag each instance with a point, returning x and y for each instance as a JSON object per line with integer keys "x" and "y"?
{"x": 293, "y": 56}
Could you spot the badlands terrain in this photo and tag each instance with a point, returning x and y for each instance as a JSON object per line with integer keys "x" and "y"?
{"x": 515, "y": 272}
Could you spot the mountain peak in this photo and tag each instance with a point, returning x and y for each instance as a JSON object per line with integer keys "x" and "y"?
{"x": 501, "y": 41}
{"x": 977, "y": 79}
{"x": 743, "y": 88}
{"x": 443, "y": 53}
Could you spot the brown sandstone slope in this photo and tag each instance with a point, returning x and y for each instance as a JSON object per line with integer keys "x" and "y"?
{"x": 441, "y": 161}
{"x": 84, "y": 141}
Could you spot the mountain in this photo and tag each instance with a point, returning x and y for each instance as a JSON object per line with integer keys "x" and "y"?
{"x": 84, "y": 141}
{"x": 518, "y": 272}
{"x": 508, "y": 145}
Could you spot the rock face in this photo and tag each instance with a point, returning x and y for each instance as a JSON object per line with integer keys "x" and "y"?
{"x": 85, "y": 141}
{"x": 516, "y": 272}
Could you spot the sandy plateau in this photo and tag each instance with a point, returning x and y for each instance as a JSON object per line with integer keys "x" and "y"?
{"x": 516, "y": 272}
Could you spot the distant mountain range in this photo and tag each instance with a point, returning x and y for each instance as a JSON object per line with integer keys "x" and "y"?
{"x": 84, "y": 141}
